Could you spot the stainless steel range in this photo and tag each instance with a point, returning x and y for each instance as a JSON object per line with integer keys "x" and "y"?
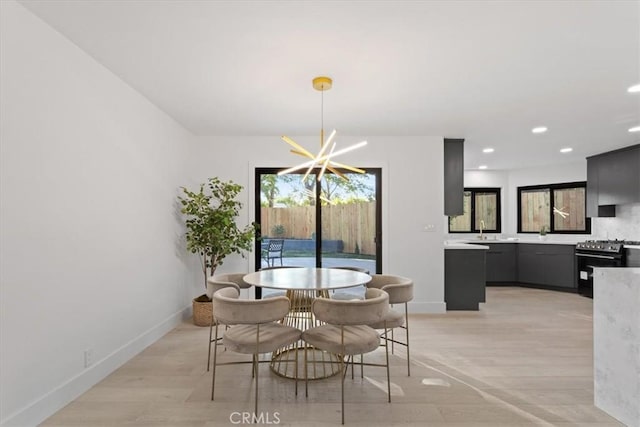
{"x": 598, "y": 253}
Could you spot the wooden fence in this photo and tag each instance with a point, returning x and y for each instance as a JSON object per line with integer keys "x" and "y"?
{"x": 534, "y": 207}
{"x": 353, "y": 223}
{"x": 570, "y": 200}
{"x": 534, "y": 210}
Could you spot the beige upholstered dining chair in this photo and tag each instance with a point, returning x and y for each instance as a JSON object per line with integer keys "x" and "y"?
{"x": 236, "y": 278}
{"x": 400, "y": 290}
{"x": 214, "y": 284}
{"x": 346, "y": 332}
{"x": 253, "y": 329}
{"x": 356, "y": 292}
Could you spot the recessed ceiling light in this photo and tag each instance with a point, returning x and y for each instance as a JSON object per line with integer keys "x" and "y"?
{"x": 488, "y": 150}
{"x": 635, "y": 129}
{"x": 539, "y": 129}
{"x": 566, "y": 150}
{"x": 482, "y": 167}
{"x": 634, "y": 89}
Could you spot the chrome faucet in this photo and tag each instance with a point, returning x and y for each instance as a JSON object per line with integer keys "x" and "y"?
{"x": 481, "y": 237}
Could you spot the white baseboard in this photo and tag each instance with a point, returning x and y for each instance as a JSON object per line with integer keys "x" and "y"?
{"x": 427, "y": 307}
{"x": 41, "y": 409}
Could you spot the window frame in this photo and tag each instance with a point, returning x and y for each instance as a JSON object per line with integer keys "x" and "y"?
{"x": 473, "y": 190}
{"x": 552, "y": 188}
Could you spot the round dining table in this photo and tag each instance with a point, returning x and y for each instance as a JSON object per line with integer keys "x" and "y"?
{"x": 307, "y": 279}
{"x": 302, "y": 285}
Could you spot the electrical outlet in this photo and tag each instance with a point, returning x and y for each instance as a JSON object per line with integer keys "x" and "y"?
{"x": 88, "y": 357}
{"x": 429, "y": 228}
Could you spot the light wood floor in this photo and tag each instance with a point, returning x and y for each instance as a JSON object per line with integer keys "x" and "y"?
{"x": 525, "y": 359}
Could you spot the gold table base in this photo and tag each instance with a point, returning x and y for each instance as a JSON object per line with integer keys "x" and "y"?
{"x": 320, "y": 364}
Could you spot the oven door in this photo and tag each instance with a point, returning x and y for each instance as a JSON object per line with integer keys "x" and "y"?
{"x": 586, "y": 263}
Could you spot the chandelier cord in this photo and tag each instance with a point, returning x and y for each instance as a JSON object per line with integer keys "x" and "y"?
{"x": 322, "y": 117}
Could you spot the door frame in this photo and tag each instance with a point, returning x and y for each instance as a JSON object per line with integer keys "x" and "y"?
{"x": 376, "y": 171}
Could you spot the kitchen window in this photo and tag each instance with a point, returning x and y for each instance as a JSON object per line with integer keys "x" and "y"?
{"x": 558, "y": 208}
{"x": 481, "y": 209}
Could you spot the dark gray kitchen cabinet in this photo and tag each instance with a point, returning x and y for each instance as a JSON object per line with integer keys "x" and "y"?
{"x": 547, "y": 264}
{"x": 464, "y": 278}
{"x": 502, "y": 262}
{"x": 613, "y": 178}
{"x": 453, "y": 176}
{"x": 592, "y": 187}
{"x": 594, "y": 210}
{"x": 561, "y": 266}
{"x": 531, "y": 267}
{"x": 633, "y": 257}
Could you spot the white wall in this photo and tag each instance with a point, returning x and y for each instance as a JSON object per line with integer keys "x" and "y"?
{"x": 90, "y": 240}
{"x": 412, "y": 197}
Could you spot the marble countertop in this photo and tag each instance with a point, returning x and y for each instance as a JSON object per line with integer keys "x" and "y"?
{"x": 616, "y": 338}
{"x": 630, "y": 274}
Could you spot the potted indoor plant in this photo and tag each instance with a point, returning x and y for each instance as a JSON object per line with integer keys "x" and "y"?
{"x": 543, "y": 233}
{"x": 212, "y": 232}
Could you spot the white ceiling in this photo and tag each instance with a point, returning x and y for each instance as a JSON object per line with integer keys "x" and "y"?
{"x": 484, "y": 71}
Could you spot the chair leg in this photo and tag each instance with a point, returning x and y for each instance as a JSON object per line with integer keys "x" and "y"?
{"x": 253, "y": 366}
{"x": 306, "y": 373}
{"x": 352, "y": 362}
{"x": 392, "y": 342}
{"x": 342, "y": 375}
{"x": 406, "y": 322}
{"x": 296, "y": 369}
{"x": 210, "y": 333}
{"x": 215, "y": 359}
{"x": 386, "y": 351}
{"x": 256, "y": 406}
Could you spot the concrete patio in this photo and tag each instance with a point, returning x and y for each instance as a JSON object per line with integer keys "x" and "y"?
{"x": 368, "y": 264}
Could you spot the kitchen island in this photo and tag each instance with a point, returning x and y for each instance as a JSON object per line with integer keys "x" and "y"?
{"x": 464, "y": 275}
{"x": 616, "y": 342}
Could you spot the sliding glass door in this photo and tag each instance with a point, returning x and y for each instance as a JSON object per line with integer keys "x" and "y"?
{"x": 328, "y": 223}
{"x": 349, "y": 220}
{"x": 286, "y": 212}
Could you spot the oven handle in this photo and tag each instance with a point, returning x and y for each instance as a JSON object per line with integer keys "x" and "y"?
{"x": 596, "y": 256}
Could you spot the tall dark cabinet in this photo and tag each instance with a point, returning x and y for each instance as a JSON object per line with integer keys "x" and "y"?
{"x": 453, "y": 176}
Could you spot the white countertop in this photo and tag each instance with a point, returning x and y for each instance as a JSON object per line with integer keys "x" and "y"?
{"x": 460, "y": 245}
{"x": 481, "y": 244}
{"x": 527, "y": 241}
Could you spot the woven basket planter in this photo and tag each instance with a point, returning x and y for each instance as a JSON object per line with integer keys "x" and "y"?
{"x": 202, "y": 311}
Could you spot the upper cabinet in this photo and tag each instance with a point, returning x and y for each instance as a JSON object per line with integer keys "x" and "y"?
{"x": 453, "y": 176}
{"x": 592, "y": 187}
{"x": 613, "y": 178}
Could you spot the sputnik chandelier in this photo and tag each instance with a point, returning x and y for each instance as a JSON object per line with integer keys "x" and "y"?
{"x": 324, "y": 158}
